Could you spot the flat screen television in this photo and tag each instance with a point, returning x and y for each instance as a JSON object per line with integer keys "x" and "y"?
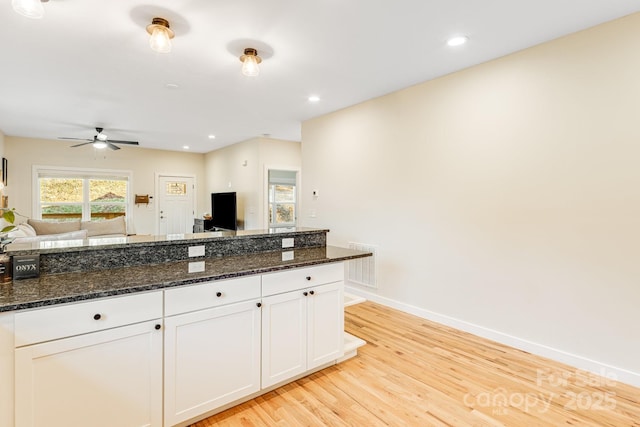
{"x": 223, "y": 211}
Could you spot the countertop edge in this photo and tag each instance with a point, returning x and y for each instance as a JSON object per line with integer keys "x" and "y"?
{"x": 138, "y": 241}
{"x": 175, "y": 283}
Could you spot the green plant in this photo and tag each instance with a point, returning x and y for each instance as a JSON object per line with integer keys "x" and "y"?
{"x": 9, "y": 215}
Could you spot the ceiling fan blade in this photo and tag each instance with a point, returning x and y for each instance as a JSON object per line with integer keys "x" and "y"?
{"x": 101, "y": 138}
{"x": 77, "y": 139}
{"x": 123, "y": 142}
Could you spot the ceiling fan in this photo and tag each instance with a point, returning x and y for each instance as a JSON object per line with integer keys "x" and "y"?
{"x": 101, "y": 141}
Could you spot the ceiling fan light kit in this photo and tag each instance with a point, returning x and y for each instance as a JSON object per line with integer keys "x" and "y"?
{"x": 161, "y": 35}
{"x": 250, "y": 61}
{"x": 29, "y": 8}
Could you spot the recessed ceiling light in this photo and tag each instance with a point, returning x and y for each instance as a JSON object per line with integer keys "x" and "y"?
{"x": 185, "y": 147}
{"x": 171, "y": 86}
{"x": 212, "y": 137}
{"x": 314, "y": 98}
{"x": 457, "y": 40}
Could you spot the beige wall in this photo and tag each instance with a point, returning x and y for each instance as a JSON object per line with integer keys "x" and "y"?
{"x": 227, "y": 171}
{"x": 23, "y": 153}
{"x": 505, "y": 197}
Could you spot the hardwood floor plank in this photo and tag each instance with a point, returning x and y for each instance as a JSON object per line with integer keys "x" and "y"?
{"x": 413, "y": 372}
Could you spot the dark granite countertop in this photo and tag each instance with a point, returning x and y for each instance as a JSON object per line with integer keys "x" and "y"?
{"x": 96, "y": 243}
{"x": 70, "y": 287}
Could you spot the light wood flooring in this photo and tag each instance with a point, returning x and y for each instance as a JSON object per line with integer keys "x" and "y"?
{"x": 413, "y": 372}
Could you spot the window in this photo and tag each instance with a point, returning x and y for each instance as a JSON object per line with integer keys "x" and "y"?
{"x": 71, "y": 194}
{"x": 282, "y": 198}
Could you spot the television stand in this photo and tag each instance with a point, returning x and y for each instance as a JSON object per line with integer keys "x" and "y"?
{"x": 202, "y": 225}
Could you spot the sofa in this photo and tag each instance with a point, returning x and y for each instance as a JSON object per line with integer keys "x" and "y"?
{"x": 34, "y": 230}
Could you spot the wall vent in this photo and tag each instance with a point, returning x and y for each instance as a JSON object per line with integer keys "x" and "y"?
{"x": 362, "y": 271}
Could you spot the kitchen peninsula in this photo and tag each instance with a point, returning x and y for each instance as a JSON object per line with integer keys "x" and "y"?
{"x": 165, "y": 330}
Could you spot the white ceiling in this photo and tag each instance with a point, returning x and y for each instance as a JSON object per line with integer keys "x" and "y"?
{"x": 87, "y": 63}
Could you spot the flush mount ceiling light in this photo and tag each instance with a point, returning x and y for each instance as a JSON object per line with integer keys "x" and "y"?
{"x": 250, "y": 61}
{"x": 161, "y": 35}
{"x": 457, "y": 41}
{"x": 29, "y": 8}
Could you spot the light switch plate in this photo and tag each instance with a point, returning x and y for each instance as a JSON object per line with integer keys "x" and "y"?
{"x": 196, "y": 251}
{"x": 287, "y": 255}
{"x": 196, "y": 267}
{"x": 288, "y": 242}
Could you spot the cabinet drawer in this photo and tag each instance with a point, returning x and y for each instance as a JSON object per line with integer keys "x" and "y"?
{"x": 300, "y": 278}
{"x": 46, "y": 324}
{"x": 210, "y": 294}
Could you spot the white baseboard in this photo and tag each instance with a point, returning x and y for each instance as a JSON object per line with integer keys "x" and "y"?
{"x": 579, "y": 362}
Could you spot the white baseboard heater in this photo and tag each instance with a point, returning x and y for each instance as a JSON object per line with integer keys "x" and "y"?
{"x": 362, "y": 271}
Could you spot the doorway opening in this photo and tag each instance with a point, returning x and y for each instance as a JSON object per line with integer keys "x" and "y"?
{"x": 282, "y": 198}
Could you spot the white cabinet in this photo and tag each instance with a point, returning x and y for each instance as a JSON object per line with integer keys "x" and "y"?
{"x": 167, "y": 357}
{"x": 325, "y": 324}
{"x": 302, "y": 328}
{"x": 110, "y": 377}
{"x": 284, "y": 337}
{"x": 212, "y": 356}
{"x": 7, "y": 367}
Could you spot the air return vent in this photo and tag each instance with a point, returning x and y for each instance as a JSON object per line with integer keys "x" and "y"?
{"x": 362, "y": 271}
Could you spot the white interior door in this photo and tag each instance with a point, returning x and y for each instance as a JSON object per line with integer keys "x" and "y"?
{"x": 176, "y": 207}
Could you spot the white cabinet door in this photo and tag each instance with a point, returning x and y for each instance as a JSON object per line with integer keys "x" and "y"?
{"x": 325, "y": 324}
{"x": 212, "y": 357}
{"x": 101, "y": 379}
{"x": 284, "y": 337}
{"x": 7, "y": 367}
{"x": 301, "y": 330}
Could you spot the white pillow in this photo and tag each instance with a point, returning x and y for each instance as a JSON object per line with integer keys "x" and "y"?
{"x": 72, "y": 235}
{"x": 28, "y": 229}
{"x": 22, "y": 230}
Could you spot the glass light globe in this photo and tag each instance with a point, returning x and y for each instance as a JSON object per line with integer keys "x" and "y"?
{"x": 250, "y": 66}
{"x": 159, "y": 40}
